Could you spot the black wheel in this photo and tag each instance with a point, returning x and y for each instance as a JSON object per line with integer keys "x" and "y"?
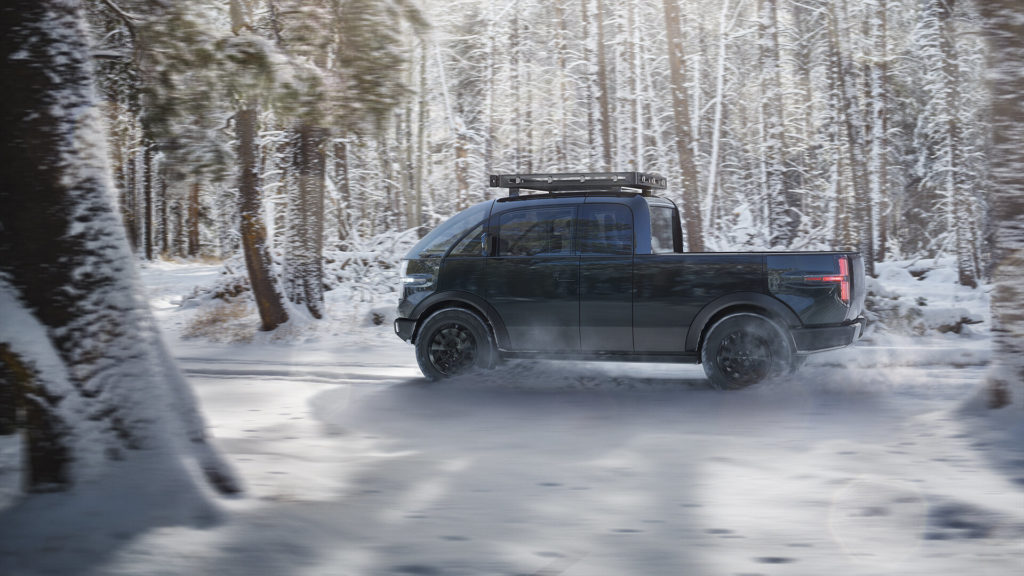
{"x": 453, "y": 341}
{"x": 744, "y": 349}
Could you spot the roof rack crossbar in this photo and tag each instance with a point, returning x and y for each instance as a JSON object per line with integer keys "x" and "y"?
{"x": 579, "y": 182}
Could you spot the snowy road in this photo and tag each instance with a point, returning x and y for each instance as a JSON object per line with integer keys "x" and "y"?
{"x": 355, "y": 465}
{"x": 361, "y": 467}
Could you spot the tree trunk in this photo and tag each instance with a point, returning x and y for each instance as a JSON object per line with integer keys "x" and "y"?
{"x": 862, "y": 206}
{"x": 716, "y": 123}
{"x": 8, "y": 395}
{"x": 461, "y": 172}
{"x": 343, "y": 184}
{"x": 409, "y": 176}
{"x": 253, "y": 232}
{"x": 603, "y": 88}
{"x": 589, "y": 91}
{"x": 92, "y": 375}
{"x": 561, "y": 57}
{"x": 960, "y": 184}
{"x": 127, "y": 181}
{"x": 1004, "y": 30}
{"x": 783, "y": 221}
{"x": 880, "y": 128}
{"x": 165, "y": 227}
{"x": 147, "y": 199}
{"x": 193, "y": 219}
{"x": 48, "y": 456}
{"x": 305, "y": 235}
{"x": 422, "y": 154}
{"x": 684, "y": 138}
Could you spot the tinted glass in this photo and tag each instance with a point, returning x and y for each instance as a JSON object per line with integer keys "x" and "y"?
{"x": 662, "y": 232}
{"x": 471, "y": 245}
{"x": 537, "y": 232}
{"x": 607, "y": 229}
{"x": 435, "y": 244}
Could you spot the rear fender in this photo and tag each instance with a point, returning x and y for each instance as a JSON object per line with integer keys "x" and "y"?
{"x": 740, "y": 301}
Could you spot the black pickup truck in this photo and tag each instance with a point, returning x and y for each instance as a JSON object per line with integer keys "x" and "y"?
{"x": 591, "y": 266}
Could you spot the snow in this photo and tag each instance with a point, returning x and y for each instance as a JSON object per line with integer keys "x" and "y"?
{"x": 868, "y": 461}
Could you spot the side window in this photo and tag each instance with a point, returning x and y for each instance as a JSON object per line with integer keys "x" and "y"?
{"x": 607, "y": 229}
{"x": 442, "y": 238}
{"x": 537, "y": 232}
{"x": 662, "y": 233}
{"x": 471, "y": 245}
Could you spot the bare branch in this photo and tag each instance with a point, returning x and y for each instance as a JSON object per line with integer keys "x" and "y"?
{"x": 129, "y": 19}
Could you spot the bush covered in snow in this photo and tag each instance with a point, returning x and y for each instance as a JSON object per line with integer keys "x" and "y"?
{"x": 922, "y": 297}
{"x": 367, "y": 267}
{"x": 362, "y": 273}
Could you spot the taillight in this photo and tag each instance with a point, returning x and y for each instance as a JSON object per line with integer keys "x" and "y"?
{"x": 843, "y": 279}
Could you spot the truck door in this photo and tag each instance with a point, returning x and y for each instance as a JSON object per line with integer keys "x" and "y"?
{"x": 606, "y": 278}
{"x": 533, "y": 278}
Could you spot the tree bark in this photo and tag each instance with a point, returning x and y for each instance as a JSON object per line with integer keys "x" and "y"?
{"x": 783, "y": 221}
{"x": 880, "y": 127}
{"x": 193, "y": 218}
{"x": 1004, "y": 30}
{"x": 304, "y": 248}
{"x": 863, "y": 206}
{"x": 342, "y": 182}
{"x": 253, "y": 232}
{"x": 48, "y": 456}
{"x": 147, "y": 199}
{"x": 165, "y": 227}
{"x": 461, "y": 171}
{"x": 684, "y": 138}
{"x": 8, "y": 396}
{"x": 94, "y": 378}
{"x": 603, "y": 87}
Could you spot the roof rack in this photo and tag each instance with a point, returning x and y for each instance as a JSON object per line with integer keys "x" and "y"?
{"x": 636, "y": 182}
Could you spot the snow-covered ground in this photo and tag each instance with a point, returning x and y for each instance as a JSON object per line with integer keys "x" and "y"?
{"x": 870, "y": 461}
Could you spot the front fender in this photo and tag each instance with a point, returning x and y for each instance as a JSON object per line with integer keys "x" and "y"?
{"x": 463, "y": 300}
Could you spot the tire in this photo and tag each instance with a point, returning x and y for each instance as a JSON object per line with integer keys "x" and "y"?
{"x": 743, "y": 349}
{"x": 454, "y": 341}
{"x": 797, "y": 363}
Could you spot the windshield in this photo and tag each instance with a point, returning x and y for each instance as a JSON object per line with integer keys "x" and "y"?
{"x": 435, "y": 244}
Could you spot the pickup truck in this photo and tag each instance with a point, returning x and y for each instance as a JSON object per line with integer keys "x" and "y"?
{"x": 591, "y": 266}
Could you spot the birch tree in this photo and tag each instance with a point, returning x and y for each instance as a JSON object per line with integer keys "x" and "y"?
{"x": 1004, "y": 29}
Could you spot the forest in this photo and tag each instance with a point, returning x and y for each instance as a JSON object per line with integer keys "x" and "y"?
{"x": 296, "y": 130}
{"x": 305, "y": 142}
{"x": 164, "y": 160}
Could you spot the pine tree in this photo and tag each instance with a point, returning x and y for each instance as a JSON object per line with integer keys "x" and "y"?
{"x": 89, "y": 369}
{"x": 347, "y": 59}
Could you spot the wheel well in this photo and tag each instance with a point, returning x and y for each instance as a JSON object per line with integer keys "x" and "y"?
{"x": 451, "y": 304}
{"x": 742, "y": 308}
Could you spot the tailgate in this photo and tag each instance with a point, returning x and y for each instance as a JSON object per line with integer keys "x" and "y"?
{"x": 823, "y": 288}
